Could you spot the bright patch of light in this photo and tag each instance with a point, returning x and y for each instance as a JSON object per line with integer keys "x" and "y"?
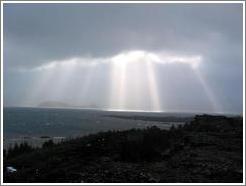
{"x": 126, "y": 57}
{"x": 192, "y": 61}
{"x": 69, "y": 63}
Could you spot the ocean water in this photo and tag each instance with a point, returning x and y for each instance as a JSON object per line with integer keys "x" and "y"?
{"x": 36, "y": 125}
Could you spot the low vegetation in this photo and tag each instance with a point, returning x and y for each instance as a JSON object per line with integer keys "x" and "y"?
{"x": 207, "y": 149}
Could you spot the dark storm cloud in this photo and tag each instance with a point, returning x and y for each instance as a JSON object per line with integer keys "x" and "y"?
{"x": 37, "y": 33}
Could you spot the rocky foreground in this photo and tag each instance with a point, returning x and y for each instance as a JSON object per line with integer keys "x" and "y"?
{"x": 208, "y": 149}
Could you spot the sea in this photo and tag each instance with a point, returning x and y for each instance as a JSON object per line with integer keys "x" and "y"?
{"x": 37, "y": 125}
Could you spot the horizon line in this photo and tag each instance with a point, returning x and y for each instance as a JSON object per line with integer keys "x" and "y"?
{"x": 129, "y": 110}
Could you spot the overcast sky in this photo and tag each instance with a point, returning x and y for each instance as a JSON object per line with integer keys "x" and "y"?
{"x": 89, "y": 54}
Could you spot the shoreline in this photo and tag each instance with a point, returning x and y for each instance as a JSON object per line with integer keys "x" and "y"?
{"x": 208, "y": 149}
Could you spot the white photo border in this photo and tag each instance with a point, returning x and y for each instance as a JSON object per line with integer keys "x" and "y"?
{"x": 122, "y": 2}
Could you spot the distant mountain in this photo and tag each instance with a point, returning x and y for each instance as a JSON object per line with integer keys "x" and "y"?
{"x": 59, "y": 104}
{"x": 54, "y": 104}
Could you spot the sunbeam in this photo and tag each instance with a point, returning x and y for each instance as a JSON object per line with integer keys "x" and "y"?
{"x": 37, "y": 91}
{"x": 63, "y": 78}
{"x": 127, "y": 81}
{"x": 153, "y": 87}
{"x": 118, "y": 86}
{"x": 134, "y": 80}
{"x": 84, "y": 86}
{"x": 211, "y": 97}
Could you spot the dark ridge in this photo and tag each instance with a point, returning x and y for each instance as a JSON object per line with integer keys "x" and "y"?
{"x": 209, "y": 149}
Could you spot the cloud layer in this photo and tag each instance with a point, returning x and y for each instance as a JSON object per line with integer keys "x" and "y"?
{"x": 46, "y": 36}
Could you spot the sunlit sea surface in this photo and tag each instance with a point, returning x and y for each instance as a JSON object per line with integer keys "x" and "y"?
{"x": 37, "y": 125}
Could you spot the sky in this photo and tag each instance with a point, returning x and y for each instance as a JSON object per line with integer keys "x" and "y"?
{"x": 151, "y": 57}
